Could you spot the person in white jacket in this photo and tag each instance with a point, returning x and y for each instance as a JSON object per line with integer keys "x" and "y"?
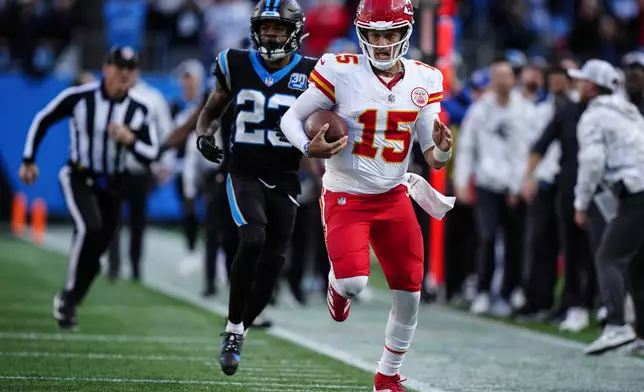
{"x": 139, "y": 183}
{"x": 611, "y": 158}
{"x": 493, "y": 148}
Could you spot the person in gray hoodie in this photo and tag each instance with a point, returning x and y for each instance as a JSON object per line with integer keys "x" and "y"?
{"x": 493, "y": 149}
{"x": 611, "y": 157}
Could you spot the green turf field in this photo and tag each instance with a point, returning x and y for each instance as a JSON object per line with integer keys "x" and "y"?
{"x": 134, "y": 339}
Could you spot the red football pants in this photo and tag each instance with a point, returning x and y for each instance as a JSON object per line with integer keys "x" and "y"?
{"x": 385, "y": 220}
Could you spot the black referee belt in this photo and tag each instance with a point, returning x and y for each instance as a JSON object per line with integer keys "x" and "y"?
{"x": 102, "y": 180}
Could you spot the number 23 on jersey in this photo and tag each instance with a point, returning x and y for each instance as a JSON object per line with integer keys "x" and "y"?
{"x": 263, "y": 111}
{"x": 395, "y": 118}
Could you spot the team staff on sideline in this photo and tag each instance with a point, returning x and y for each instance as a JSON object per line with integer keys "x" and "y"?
{"x": 611, "y": 155}
{"x": 492, "y": 140}
{"x": 540, "y": 191}
{"x": 140, "y": 180}
{"x": 107, "y": 120}
{"x": 191, "y": 76}
{"x": 578, "y": 245}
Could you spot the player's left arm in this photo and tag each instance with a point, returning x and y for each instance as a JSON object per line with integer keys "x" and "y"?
{"x": 435, "y": 138}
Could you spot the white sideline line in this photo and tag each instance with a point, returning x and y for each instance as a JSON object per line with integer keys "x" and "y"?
{"x": 114, "y": 338}
{"x": 166, "y": 381}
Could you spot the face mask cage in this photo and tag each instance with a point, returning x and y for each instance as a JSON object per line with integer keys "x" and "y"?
{"x": 396, "y": 50}
{"x": 271, "y": 49}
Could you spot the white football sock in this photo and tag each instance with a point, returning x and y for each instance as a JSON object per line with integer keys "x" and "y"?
{"x": 235, "y": 328}
{"x": 400, "y": 331}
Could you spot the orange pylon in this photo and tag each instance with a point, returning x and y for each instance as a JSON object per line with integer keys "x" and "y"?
{"x": 19, "y": 214}
{"x": 38, "y": 220}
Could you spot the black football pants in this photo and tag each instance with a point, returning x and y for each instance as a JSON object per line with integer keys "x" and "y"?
{"x": 265, "y": 218}
{"x": 95, "y": 212}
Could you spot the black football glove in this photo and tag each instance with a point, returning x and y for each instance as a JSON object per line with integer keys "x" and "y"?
{"x": 208, "y": 148}
{"x": 280, "y": 134}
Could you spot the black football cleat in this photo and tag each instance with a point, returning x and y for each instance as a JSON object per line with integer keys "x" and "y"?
{"x": 230, "y": 354}
{"x": 65, "y": 313}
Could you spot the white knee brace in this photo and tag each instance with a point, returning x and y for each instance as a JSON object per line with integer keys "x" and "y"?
{"x": 348, "y": 287}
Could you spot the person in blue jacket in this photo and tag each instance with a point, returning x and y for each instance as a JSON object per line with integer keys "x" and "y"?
{"x": 457, "y": 104}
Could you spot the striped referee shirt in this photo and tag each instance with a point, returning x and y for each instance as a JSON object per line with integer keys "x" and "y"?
{"x": 90, "y": 112}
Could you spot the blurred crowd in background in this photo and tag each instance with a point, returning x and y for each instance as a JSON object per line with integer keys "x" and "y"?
{"x": 540, "y": 39}
{"x": 41, "y": 36}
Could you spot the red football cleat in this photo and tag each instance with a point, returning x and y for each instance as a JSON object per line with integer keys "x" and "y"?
{"x": 384, "y": 383}
{"x": 339, "y": 306}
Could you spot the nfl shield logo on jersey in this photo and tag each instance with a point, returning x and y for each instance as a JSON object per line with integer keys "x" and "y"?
{"x": 298, "y": 81}
{"x": 342, "y": 200}
{"x": 420, "y": 97}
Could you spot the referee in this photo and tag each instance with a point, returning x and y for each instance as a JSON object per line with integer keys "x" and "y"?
{"x": 611, "y": 156}
{"x": 106, "y": 120}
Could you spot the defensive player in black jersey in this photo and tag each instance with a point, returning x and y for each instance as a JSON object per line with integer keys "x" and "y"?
{"x": 260, "y": 84}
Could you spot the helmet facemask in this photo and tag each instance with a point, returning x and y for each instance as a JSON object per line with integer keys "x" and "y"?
{"x": 271, "y": 49}
{"x": 395, "y": 50}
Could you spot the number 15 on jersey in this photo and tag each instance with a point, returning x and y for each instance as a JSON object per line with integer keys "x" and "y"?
{"x": 267, "y": 112}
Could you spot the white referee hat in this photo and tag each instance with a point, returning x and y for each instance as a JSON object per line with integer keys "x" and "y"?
{"x": 599, "y": 72}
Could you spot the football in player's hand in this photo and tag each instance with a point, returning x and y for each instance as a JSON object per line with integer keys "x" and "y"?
{"x": 337, "y": 125}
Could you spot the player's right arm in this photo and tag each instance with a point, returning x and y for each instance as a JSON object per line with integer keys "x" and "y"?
{"x": 219, "y": 99}
{"x": 319, "y": 96}
{"x": 210, "y": 116}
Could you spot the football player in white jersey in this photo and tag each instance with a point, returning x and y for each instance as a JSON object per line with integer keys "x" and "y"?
{"x": 386, "y": 101}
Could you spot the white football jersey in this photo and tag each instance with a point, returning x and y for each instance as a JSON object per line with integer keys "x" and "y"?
{"x": 382, "y": 122}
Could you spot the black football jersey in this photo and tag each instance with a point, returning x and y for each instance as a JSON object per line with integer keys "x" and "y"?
{"x": 261, "y": 96}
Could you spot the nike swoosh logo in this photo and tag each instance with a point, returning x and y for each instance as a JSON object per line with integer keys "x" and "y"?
{"x": 322, "y": 62}
{"x": 265, "y": 184}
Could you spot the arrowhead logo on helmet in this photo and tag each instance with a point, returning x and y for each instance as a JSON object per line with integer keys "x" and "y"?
{"x": 409, "y": 8}
{"x": 376, "y": 19}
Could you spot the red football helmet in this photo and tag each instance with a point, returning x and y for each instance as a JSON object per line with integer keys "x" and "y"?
{"x": 383, "y": 15}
